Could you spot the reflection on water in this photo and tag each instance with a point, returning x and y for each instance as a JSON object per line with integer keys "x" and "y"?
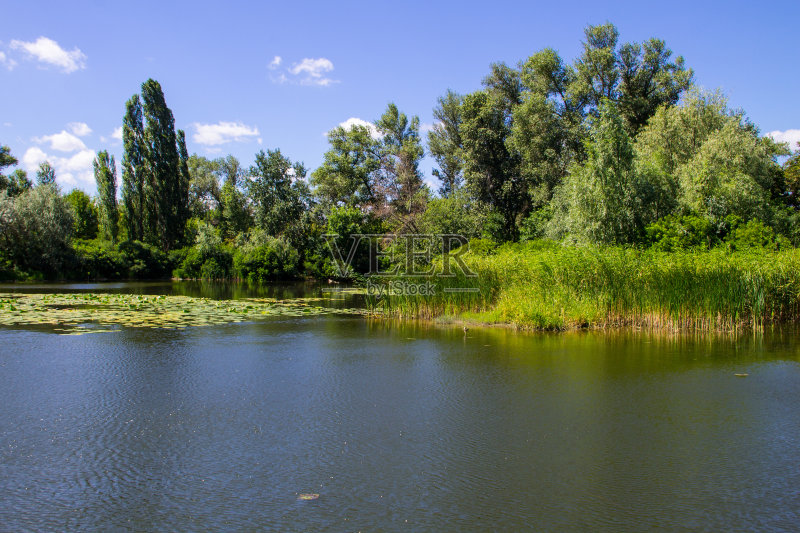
{"x": 398, "y": 426}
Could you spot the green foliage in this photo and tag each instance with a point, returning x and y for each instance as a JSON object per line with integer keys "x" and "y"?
{"x": 98, "y": 259}
{"x": 134, "y": 171}
{"x": 603, "y": 200}
{"x": 491, "y": 171}
{"x": 46, "y": 174}
{"x": 209, "y": 258}
{"x": 733, "y": 173}
{"x": 755, "y": 235}
{"x": 145, "y": 261}
{"x": 343, "y": 224}
{"x": 550, "y": 286}
{"x": 444, "y": 143}
{"x": 235, "y": 218}
{"x": 456, "y": 214}
{"x": 35, "y": 229}
{"x": 263, "y": 258}
{"x": 279, "y": 193}
{"x": 791, "y": 172}
{"x": 400, "y": 151}
{"x": 673, "y": 233}
{"x": 167, "y": 184}
{"x": 204, "y": 188}
{"x": 105, "y": 175}
{"x": 84, "y": 214}
{"x": 348, "y": 173}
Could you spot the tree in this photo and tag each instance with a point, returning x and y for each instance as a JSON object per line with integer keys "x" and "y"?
{"x": 401, "y": 151}
{"x": 46, "y": 174}
{"x": 791, "y": 172}
{"x": 181, "y": 194}
{"x": 204, "y": 187}
{"x": 105, "y": 175}
{"x": 84, "y": 214}
{"x": 133, "y": 169}
{"x": 639, "y": 77}
{"x": 491, "y": 170}
{"x": 167, "y": 184}
{"x": 35, "y": 229}
{"x": 348, "y": 175}
{"x": 601, "y": 200}
{"x": 18, "y": 183}
{"x": 279, "y": 192}
{"x": 15, "y": 183}
{"x": 444, "y": 143}
{"x": 733, "y": 173}
{"x": 155, "y": 171}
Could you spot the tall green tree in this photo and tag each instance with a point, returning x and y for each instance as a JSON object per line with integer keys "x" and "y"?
{"x": 401, "y": 152}
{"x": 134, "y": 171}
{"x": 491, "y": 169}
{"x": 84, "y": 214}
{"x": 105, "y": 175}
{"x": 444, "y": 143}
{"x": 348, "y": 174}
{"x": 45, "y": 174}
{"x": 182, "y": 213}
{"x": 601, "y": 200}
{"x": 167, "y": 185}
{"x": 279, "y": 193}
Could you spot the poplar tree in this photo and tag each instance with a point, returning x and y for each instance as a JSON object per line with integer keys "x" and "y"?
{"x": 155, "y": 186}
{"x": 181, "y": 192}
{"x": 105, "y": 175}
{"x": 133, "y": 169}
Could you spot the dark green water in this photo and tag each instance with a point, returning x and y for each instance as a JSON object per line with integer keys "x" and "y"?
{"x": 398, "y": 427}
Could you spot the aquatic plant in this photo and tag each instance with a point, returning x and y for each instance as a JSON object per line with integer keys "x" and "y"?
{"x": 89, "y": 312}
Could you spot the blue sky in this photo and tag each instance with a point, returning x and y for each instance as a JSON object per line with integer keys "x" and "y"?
{"x": 67, "y": 68}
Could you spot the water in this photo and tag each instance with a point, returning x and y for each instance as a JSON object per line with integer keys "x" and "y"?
{"x": 397, "y": 427}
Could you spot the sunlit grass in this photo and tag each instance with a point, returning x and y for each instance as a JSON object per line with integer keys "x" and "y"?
{"x": 548, "y": 286}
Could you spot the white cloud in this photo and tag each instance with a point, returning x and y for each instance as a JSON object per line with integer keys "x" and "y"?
{"x": 788, "y": 136}
{"x": 81, "y": 129}
{"x": 32, "y": 158}
{"x": 63, "y": 142}
{"x": 309, "y": 71}
{"x": 425, "y": 127}
{"x": 7, "y": 61}
{"x": 48, "y": 52}
{"x": 276, "y": 62}
{"x": 222, "y": 133}
{"x": 73, "y": 171}
{"x": 117, "y": 133}
{"x": 353, "y": 121}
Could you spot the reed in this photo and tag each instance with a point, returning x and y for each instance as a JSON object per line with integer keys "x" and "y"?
{"x": 552, "y": 287}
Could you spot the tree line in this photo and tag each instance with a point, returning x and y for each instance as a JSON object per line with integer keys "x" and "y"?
{"x": 617, "y": 147}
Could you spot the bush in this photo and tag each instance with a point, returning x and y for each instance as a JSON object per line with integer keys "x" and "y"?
{"x": 145, "y": 261}
{"x": 755, "y": 235}
{"x": 264, "y": 258}
{"x": 96, "y": 259}
{"x": 209, "y": 258}
{"x": 673, "y": 233}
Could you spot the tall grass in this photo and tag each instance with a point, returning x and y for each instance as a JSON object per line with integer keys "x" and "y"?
{"x": 549, "y": 286}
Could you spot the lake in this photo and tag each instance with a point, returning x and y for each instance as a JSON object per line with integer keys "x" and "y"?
{"x": 396, "y": 426}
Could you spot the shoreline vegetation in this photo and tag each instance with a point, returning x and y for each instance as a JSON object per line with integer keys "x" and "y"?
{"x": 545, "y": 286}
{"x": 604, "y": 191}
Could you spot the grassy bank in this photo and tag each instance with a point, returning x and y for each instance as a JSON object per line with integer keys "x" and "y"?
{"x": 549, "y": 286}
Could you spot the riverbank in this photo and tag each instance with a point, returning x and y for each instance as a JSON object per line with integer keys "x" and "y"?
{"x": 546, "y": 286}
